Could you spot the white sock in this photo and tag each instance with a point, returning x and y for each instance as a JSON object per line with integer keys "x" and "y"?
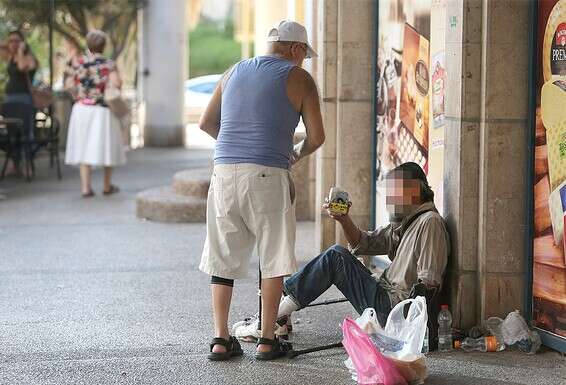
{"x": 286, "y": 307}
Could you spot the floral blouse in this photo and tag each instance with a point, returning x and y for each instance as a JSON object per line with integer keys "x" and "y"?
{"x": 91, "y": 74}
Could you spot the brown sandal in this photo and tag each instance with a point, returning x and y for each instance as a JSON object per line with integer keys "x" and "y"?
{"x": 113, "y": 190}
{"x": 88, "y": 194}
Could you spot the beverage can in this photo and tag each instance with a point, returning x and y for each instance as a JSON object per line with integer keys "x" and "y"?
{"x": 338, "y": 201}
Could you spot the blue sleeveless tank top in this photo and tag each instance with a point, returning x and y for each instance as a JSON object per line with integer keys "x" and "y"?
{"x": 257, "y": 119}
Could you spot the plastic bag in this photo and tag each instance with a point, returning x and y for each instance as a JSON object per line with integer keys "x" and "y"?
{"x": 371, "y": 366}
{"x": 516, "y": 332}
{"x": 410, "y": 330}
{"x": 368, "y": 321}
{"x": 384, "y": 342}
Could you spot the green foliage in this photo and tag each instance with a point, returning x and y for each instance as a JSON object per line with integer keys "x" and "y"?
{"x": 74, "y": 18}
{"x": 212, "y": 49}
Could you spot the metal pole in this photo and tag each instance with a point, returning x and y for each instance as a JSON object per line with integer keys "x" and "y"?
{"x": 51, "y": 22}
{"x": 259, "y": 299}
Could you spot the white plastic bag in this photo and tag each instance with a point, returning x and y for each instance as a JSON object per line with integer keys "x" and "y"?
{"x": 514, "y": 328}
{"x": 516, "y": 332}
{"x": 411, "y": 330}
{"x": 368, "y": 321}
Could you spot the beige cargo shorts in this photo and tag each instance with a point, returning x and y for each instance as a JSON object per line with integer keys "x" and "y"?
{"x": 249, "y": 205}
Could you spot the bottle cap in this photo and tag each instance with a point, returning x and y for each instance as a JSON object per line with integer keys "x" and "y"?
{"x": 443, "y": 307}
{"x": 457, "y": 344}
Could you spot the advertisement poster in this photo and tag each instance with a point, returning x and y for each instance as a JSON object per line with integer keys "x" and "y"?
{"x": 410, "y": 95}
{"x": 397, "y": 92}
{"x": 438, "y": 90}
{"x": 412, "y": 132}
{"x": 549, "y": 264}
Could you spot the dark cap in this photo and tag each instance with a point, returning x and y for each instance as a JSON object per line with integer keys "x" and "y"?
{"x": 409, "y": 170}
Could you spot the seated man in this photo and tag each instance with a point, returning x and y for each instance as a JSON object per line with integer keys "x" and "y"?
{"x": 416, "y": 241}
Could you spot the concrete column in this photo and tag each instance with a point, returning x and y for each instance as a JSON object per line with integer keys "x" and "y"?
{"x": 354, "y": 109}
{"x": 267, "y": 14}
{"x": 485, "y": 186}
{"x": 311, "y": 24}
{"x": 163, "y": 71}
{"x": 503, "y": 156}
{"x": 327, "y": 50}
{"x": 461, "y": 177}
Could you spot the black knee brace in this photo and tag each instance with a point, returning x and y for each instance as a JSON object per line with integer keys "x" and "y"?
{"x": 214, "y": 280}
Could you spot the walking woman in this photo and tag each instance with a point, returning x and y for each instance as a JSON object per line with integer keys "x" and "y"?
{"x": 94, "y": 138}
{"x": 22, "y": 64}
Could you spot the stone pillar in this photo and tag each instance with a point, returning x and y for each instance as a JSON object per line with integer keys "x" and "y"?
{"x": 267, "y": 14}
{"x": 485, "y": 144}
{"x": 503, "y": 156}
{"x": 354, "y": 109}
{"x": 311, "y": 24}
{"x": 162, "y": 72}
{"x": 327, "y": 50}
{"x": 461, "y": 178}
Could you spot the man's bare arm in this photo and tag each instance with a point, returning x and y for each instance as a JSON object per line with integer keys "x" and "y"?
{"x": 209, "y": 122}
{"x": 312, "y": 118}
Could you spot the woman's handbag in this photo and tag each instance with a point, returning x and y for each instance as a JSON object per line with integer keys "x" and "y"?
{"x": 114, "y": 101}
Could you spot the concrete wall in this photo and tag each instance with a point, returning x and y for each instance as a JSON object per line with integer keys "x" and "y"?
{"x": 503, "y": 156}
{"x": 162, "y": 71}
{"x": 345, "y": 80}
{"x": 327, "y": 50}
{"x": 485, "y": 141}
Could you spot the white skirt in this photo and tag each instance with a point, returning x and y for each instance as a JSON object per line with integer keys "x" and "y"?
{"x": 94, "y": 137}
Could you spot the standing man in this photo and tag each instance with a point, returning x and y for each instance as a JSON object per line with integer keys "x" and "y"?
{"x": 252, "y": 115}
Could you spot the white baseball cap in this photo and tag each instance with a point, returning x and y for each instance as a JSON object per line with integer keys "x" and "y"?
{"x": 288, "y": 30}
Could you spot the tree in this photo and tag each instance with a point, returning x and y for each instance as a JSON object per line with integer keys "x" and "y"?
{"x": 74, "y": 18}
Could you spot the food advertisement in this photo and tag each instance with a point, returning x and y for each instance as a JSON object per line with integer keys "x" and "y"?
{"x": 410, "y": 94}
{"x": 549, "y": 264}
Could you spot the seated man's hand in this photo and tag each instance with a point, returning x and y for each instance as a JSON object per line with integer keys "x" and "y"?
{"x": 333, "y": 215}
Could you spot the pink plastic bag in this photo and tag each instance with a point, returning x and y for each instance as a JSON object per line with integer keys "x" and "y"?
{"x": 371, "y": 366}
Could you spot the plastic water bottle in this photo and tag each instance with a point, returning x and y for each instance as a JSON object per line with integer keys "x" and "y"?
{"x": 444, "y": 329}
{"x": 425, "y": 342}
{"x": 483, "y": 344}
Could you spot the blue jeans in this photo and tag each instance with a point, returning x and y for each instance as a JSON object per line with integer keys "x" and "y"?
{"x": 337, "y": 266}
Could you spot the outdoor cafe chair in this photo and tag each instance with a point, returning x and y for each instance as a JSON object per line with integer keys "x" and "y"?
{"x": 11, "y": 143}
{"x": 43, "y": 135}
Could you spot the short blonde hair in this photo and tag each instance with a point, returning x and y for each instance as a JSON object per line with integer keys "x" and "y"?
{"x": 96, "y": 41}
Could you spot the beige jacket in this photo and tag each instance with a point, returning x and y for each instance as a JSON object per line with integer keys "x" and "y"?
{"x": 422, "y": 253}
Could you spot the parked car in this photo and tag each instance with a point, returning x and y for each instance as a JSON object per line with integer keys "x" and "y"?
{"x": 198, "y": 92}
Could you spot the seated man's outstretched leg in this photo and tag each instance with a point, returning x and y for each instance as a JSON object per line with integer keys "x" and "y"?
{"x": 337, "y": 266}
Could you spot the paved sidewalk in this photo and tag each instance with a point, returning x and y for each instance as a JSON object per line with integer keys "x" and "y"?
{"x": 89, "y": 294}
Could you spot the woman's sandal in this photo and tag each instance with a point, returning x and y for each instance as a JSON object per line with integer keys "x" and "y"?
{"x": 278, "y": 349}
{"x": 113, "y": 190}
{"x": 232, "y": 346}
{"x": 88, "y": 194}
